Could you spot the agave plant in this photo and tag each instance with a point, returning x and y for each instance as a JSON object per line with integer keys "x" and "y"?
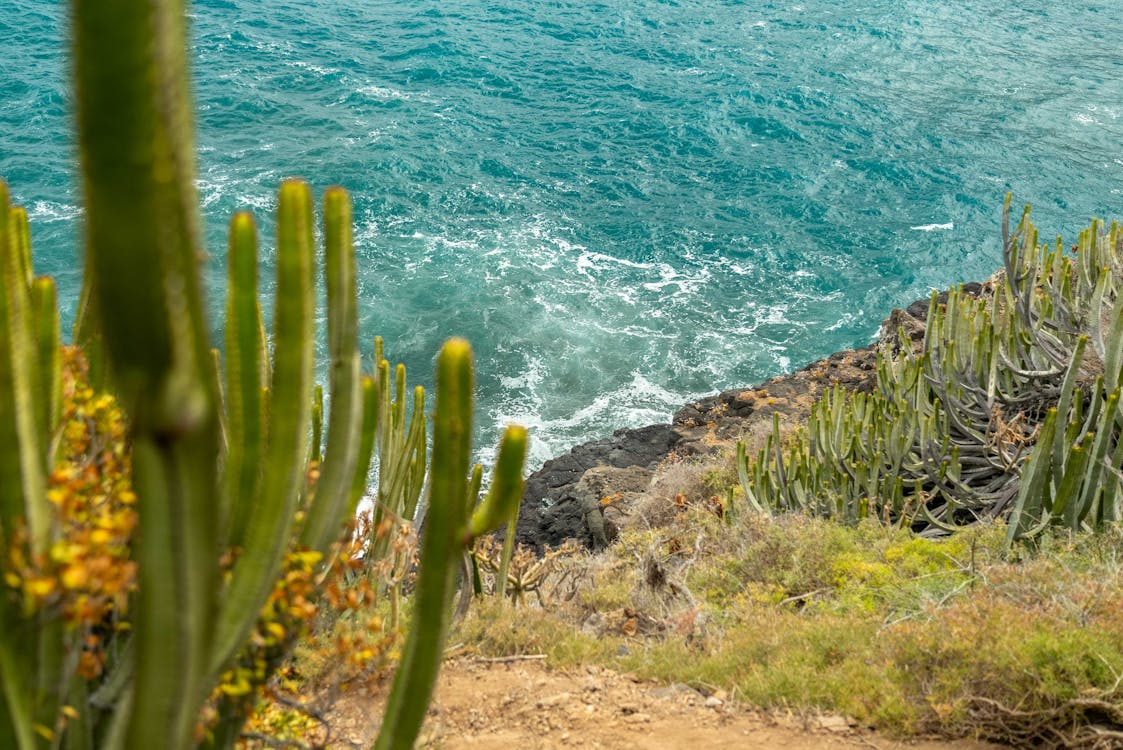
{"x": 1008, "y": 409}
{"x": 222, "y": 448}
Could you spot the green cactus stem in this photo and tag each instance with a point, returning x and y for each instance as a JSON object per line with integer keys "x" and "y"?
{"x": 441, "y": 550}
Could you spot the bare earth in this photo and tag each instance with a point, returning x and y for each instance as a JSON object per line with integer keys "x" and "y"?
{"x": 488, "y": 705}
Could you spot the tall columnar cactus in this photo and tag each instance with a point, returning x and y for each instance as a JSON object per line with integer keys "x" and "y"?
{"x": 31, "y": 648}
{"x": 221, "y": 452}
{"x": 1008, "y": 409}
{"x": 401, "y": 451}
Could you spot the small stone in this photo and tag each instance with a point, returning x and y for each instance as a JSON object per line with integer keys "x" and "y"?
{"x": 713, "y": 702}
{"x": 638, "y": 719}
{"x": 553, "y": 700}
{"x": 677, "y": 690}
{"x": 594, "y": 625}
{"x": 836, "y": 724}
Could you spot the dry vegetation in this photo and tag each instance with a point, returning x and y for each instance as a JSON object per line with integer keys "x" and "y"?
{"x": 951, "y": 637}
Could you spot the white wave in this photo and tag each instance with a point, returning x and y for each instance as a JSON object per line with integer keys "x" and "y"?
{"x": 847, "y": 319}
{"x": 933, "y": 227}
{"x": 383, "y": 93}
{"x": 529, "y": 378}
{"x": 634, "y": 404}
{"x": 312, "y": 67}
{"x": 669, "y": 277}
{"x": 261, "y": 201}
{"x": 590, "y": 261}
{"x": 47, "y": 212}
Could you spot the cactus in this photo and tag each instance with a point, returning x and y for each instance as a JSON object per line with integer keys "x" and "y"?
{"x": 447, "y": 535}
{"x": 220, "y": 451}
{"x": 25, "y": 402}
{"x": 1008, "y": 410}
{"x": 401, "y": 450}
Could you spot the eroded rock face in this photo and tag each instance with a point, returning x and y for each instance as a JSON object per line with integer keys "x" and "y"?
{"x": 555, "y": 502}
{"x": 562, "y": 500}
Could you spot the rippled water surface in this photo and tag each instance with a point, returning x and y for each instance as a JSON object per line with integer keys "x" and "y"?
{"x": 622, "y": 204}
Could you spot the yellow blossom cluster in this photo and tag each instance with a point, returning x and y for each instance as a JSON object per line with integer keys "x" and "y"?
{"x": 306, "y": 604}
{"x": 86, "y": 573}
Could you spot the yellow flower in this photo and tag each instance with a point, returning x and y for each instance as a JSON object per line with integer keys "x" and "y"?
{"x": 39, "y": 587}
{"x": 75, "y": 431}
{"x": 75, "y": 576}
{"x": 240, "y": 685}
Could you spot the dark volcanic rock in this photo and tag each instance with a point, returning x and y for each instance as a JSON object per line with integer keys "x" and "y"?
{"x": 556, "y": 506}
{"x": 919, "y": 309}
{"x": 552, "y": 513}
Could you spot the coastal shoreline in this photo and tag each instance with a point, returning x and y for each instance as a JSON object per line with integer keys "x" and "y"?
{"x": 562, "y": 500}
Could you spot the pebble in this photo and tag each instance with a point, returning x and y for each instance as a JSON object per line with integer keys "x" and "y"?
{"x": 834, "y": 723}
{"x": 554, "y": 700}
{"x": 674, "y": 691}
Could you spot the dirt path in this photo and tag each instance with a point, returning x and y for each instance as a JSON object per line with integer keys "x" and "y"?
{"x": 484, "y": 705}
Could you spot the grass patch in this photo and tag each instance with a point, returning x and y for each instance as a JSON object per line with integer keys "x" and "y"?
{"x": 494, "y": 628}
{"x": 906, "y": 634}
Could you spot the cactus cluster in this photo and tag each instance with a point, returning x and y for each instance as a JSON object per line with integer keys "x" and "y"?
{"x": 1008, "y": 408}
{"x": 232, "y": 469}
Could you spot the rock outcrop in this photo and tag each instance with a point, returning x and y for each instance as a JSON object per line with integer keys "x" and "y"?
{"x": 556, "y": 503}
{"x": 564, "y": 499}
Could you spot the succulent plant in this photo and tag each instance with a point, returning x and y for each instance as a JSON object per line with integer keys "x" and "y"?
{"x": 1008, "y": 408}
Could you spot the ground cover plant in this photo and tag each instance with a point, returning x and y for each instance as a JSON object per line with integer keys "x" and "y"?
{"x": 910, "y": 635}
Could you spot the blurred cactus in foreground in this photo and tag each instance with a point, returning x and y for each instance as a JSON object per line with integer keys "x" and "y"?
{"x": 1009, "y": 408}
{"x": 222, "y": 478}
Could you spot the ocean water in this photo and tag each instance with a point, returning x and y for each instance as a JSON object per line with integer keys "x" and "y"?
{"x": 623, "y": 205}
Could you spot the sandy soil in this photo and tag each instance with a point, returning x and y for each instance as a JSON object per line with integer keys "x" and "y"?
{"x": 494, "y": 705}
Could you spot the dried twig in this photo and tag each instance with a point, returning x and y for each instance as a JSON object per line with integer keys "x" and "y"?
{"x": 507, "y": 659}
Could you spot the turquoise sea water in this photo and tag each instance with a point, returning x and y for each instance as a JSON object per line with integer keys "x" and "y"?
{"x": 622, "y": 204}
